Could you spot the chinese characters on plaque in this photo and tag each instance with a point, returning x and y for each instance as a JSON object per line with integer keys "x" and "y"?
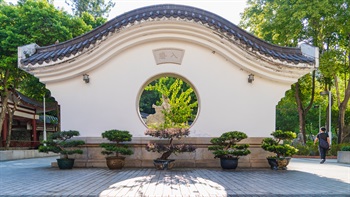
{"x": 168, "y": 55}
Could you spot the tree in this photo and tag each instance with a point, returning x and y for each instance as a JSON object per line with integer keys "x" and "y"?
{"x": 30, "y": 21}
{"x": 97, "y": 8}
{"x": 287, "y": 109}
{"x": 90, "y": 20}
{"x": 289, "y": 22}
{"x": 178, "y": 106}
{"x": 180, "y": 98}
{"x": 336, "y": 63}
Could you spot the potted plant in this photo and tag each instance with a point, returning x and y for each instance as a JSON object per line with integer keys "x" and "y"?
{"x": 61, "y": 142}
{"x": 168, "y": 148}
{"x": 226, "y": 148}
{"x": 170, "y": 121}
{"x": 282, "y": 150}
{"x": 117, "y": 137}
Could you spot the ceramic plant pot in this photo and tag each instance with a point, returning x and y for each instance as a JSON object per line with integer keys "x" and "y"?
{"x": 229, "y": 163}
{"x": 161, "y": 164}
{"x": 64, "y": 164}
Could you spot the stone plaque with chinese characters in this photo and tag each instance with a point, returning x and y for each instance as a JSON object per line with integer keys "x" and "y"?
{"x": 168, "y": 55}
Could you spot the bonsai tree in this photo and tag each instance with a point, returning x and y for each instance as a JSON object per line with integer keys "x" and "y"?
{"x": 60, "y": 142}
{"x": 282, "y": 150}
{"x": 172, "y": 119}
{"x": 117, "y": 148}
{"x": 226, "y": 145}
{"x": 169, "y": 132}
{"x": 226, "y": 148}
{"x": 276, "y": 146}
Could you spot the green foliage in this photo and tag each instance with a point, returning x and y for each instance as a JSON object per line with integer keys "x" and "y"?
{"x": 283, "y": 135}
{"x": 337, "y": 147}
{"x": 116, "y": 136}
{"x": 168, "y": 131}
{"x": 309, "y": 149}
{"x": 273, "y": 144}
{"x": 181, "y": 107}
{"x": 287, "y": 113}
{"x": 60, "y": 142}
{"x": 93, "y": 22}
{"x": 226, "y": 145}
{"x": 324, "y": 24}
{"x": 97, "y": 8}
{"x": 181, "y": 99}
{"x": 345, "y": 148}
{"x": 31, "y": 21}
{"x": 148, "y": 98}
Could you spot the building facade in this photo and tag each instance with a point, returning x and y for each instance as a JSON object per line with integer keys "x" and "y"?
{"x": 98, "y": 78}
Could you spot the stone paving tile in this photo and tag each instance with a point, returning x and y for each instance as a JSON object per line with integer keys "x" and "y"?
{"x": 304, "y": 177}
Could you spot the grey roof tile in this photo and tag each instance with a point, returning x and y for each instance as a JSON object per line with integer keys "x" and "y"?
{"x": 65, "y": 49}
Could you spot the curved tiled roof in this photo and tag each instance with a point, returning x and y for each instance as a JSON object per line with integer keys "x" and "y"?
{"x": 71, "y": 47}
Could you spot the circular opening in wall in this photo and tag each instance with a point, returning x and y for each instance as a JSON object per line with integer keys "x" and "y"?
{"x": 168, "y": 101}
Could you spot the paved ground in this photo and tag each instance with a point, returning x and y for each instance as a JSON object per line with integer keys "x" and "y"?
{"x": 304, "y": 177}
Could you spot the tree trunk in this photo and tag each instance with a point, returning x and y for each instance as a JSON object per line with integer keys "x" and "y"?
{"x": 342, "y": 110}
{"x": 300, "y": 112}
{"x": 11, "y": 113}
{"x": 9, "y": 133}
{"x": 166, "y": 155}
{"x": 336, "y": 84}
{"x": 4, "y": 101}
{"x": 4, "y": 95}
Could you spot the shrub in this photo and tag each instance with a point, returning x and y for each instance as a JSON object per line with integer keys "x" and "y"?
{"x": 60, "y": 142}
{"x": 117, "y": 137}
{"x": 225, "y": 146}
{"x": 274, "y": 144}
{"x": 345, "y": 148}
{"x": 309, "y": 149}
{"x": 336, "y": 147}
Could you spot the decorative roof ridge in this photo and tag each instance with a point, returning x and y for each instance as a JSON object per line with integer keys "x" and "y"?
{"x": 214, "y": 21}
{"x": 125, "y": 16}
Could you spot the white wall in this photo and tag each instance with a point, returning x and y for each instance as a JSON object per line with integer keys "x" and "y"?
{"x": 226, "y": 100}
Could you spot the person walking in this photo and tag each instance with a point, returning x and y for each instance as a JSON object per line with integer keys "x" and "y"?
{"x": 323, "y": 144}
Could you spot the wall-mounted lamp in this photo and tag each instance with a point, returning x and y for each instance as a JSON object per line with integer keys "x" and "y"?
{"x": 86, "y": 78}
{"x": 250, "y": 78}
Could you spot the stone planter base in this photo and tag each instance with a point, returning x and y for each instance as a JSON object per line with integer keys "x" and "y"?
{"x": 6, "y": 155}
{"x": 343, "y": 157}
{"x": 201, "y": 158}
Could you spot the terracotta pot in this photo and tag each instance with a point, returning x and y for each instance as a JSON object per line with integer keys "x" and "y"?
{"x": 115, "y": 163}
{"x": 278, "y": 163}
